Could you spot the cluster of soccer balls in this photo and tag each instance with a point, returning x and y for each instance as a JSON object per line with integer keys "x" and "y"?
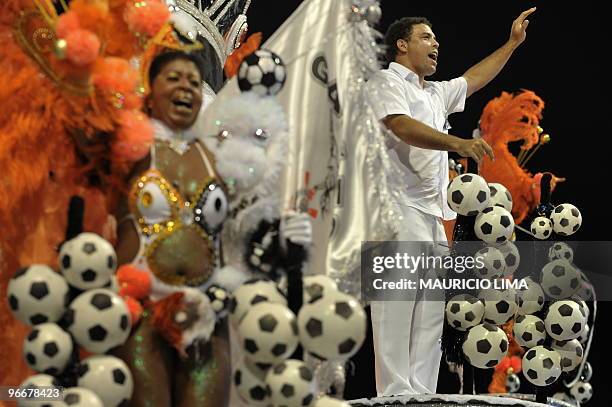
{"x": 330, "y": 325}
{"x": 565, "y": 220}
{"x": 79, "y": 307}
{"x": 563, "y": 326}
{"x": 470, "y": 195}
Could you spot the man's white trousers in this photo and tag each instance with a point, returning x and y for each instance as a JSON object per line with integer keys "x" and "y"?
{"x": 407, "y": 334}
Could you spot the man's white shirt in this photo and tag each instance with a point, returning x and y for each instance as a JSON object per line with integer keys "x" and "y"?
{"x": 397, "y": 91}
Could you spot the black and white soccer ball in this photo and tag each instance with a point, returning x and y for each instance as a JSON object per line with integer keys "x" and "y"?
{"x": 582, "y": 392}
{"x": 531, "y": 299}
{"x": 541, "y": 366}
{"x": 108, "y": 377}
{"x": 47, "y": 348}
{"x": 37, "y": 294}
{"x": 587, "y": 372}
{"x": 39, "y": 381}
{"x": 513, "y": 383}
{"x": 87, "y": 261}
{"x": 485, "y": 345}
{"x": 464, "y": 311}
{"x": 584, "y": 308}
{"x": 584, "y": 335}
{"x": 586, "y": 290}
{"x": 564, "y": 321}
{"x": 560, "y": 279}
{"x": 268, "y": 333}
{"x": 494, "y": 225}
{"x": 566, "y": 219}
{"x": 332, "y": 328}
{"x": 493, "y": 262}
{"x": 262, "y": 72}
{"x": 251, "y": 293}
{"x": 81, "y": 397}
{"x": 250, "y": 383}
{"x": 529, "y": 331}
{"x": 99, "y": 320}
{"x": 317, "y": 287}
{"x": 499, "y": 305}
{"x": 571, "y": 353}
{"x": 541, "y": 228}
{"x": 291, "y": 383}
{"x": 561, "y": 250}
{"x": 512, "y": 256}
{"x": 500, "y": 196}
{"x": 468, "y": 194}
{"x": 219, "y": 299}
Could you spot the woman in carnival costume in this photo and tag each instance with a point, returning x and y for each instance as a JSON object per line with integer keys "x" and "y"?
{"x": 71, "y": 125}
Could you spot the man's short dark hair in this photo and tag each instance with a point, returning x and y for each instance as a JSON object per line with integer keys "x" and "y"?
{"x": 401, "y": 28}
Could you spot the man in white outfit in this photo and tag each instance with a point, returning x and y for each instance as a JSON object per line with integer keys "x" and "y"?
{"x": 407, "y": 333}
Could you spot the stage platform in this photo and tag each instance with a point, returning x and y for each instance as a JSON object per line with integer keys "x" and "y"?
{"x": 448, "y": 400}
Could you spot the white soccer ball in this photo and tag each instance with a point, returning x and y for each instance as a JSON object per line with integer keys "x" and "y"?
{"x": 262, "y": 72}
{"x": 541, "y": 366}
{"x": 333, "y": 327}
{"x": 37, "y": 294}
{"x": 251, "y": 293}
{"x": 560, "y": 279}
{"x": 494, "y": 263}
{"x": 541, "y": 228}
{"x": 494, "y": 225}
{"x": 317, "y": 287}
{"x": 99, "y": 320}
{"x": 485, "y": 345}
{"x": 108, "y": 377}
{"x": 563, "y": 397}
{"x": 219, "y": 299}
{"x": 499, "y": 305}
{"x": 250, "y": 383}
{"x": 88, "y": 261}
{"x": 512, "y": 256}
{"x": 464, "y": 311}
{"x": 571, "y": 353}
{"x": 529, "y": 331}
{"x": 500, "y": 196}
{"x": 566, "y": 219}
{"x": 291, "y": 383}
{"x": 584, "y": 335}
{"x": 513, "y": 383}
{"x": 468, "y": 194}
{"x": 268, "y": 333}
{"x": 582, "y": 392}
{"x": 47, "y": 349}
{"x": 531, "y": 299}
{"x": 561, "y": 250}
{"x": 39, "y": 381}
{"x": 564, "y": 321}
{"x": 81, "y": 397}
{"x": 583, "y": 306}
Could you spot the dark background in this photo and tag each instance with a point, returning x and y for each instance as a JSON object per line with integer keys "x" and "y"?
{"x": 562, "y": 62}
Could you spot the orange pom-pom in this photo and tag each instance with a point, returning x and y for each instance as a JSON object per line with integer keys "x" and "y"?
{"x": 119, "y": 79}
{"x": 133, "y": 282}
{"x": 516, "y": 363}
{"x": 147, "y": 17}
{"x": 134, "y": 137}
{"x": 82, "y": 47}
{"x": 503, "y": 365}
{"x": 67, "y": 23}
{"x": 232, "y": 64}
{"x": 135, "y": 309}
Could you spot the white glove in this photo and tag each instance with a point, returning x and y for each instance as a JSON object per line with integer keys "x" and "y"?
{"x": 297, "y": 228}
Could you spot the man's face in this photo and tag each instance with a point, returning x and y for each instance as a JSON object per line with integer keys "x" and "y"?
{"x": 421, "y": 50}
{"x": 176, "y": 94}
